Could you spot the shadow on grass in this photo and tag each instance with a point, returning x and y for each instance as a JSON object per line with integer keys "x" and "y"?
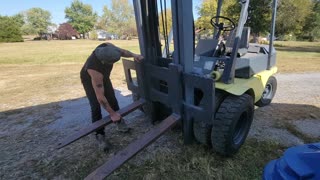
{"x": 28, "y": 137}
{"x": 73, "y": 111}
{"x": 285, "y": 111}
{"x": 301, "y": 120}
{"x": 313, "y": 49}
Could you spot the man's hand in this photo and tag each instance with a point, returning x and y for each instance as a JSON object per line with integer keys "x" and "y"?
{"x": 137, "y": 57}
{"x": 115, "y": 117}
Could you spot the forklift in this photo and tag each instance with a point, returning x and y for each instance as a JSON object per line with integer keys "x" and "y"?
{"x": 209, "y": 90}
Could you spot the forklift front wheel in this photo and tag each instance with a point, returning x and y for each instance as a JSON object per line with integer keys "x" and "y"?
{"x": 232, "y": 124}
{"x": 202, "y": 129}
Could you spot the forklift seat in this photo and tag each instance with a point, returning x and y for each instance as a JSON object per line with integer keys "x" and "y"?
{"x": 244, "y": 41}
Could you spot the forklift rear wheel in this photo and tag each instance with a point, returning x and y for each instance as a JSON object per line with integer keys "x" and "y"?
{"x": 268, "y": 93}
{"x": 202, "y": 130}
{"x": 232, "y": 124}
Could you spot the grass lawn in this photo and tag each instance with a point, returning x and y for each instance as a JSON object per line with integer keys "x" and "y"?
{"x": 292, "y": 56}
{"x": 48, "y": 52}
{"x": 39, "y": 72}
{"x": 298, "y": 56}
{"x": 198, "y": 162}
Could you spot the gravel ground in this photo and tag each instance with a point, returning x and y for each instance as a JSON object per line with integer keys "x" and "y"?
{"x": 296, "y": 105}
{"x": 28, "y": 153}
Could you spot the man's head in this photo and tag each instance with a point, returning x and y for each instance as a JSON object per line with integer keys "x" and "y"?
{"x": 108, "y": 54}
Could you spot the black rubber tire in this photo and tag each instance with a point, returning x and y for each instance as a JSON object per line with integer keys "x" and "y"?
{"x": 232, "y": 124}
{"x": 268, "y": 93}
{"x": 202, "y": 130}
{"x": 161, "y": 111}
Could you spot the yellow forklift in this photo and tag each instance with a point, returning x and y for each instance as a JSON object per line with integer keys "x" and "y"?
{"x": 210, "y": 89}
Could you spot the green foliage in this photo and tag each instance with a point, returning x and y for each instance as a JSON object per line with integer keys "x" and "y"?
{"x": 288, "y": 37}
{"x": 119, "y": 19}
{"x": 10, "y": 30}
{"x": 93, "y": 35}
{"x": 311, "y": 29}
{"x": 19, "y": 19}
{"x": 208, "y": 9}
{"x": 37, "y": 21}
{"x": 81, "y": 16}
{"x": 27, "y": 29}
{"x": 105, "y": 20}
{"x": 167, "y": 13}
{"x": 259, "y": 15}
{"x": 300, "y": 18}
{"x": 292, "y": 15}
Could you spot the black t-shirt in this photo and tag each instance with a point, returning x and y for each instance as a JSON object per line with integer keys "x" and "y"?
{"x": 93, "y": 63}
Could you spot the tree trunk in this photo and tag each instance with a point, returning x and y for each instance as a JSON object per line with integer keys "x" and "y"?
{"x": 255, "y": 37}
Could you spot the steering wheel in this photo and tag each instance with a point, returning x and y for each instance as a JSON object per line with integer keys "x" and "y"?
{"x": 229, "y": 26}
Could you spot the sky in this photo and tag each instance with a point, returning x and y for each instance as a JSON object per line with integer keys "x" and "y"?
{"x": 55, "y": 7}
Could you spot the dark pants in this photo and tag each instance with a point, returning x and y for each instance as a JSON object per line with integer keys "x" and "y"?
{"x": 94, "y": 104}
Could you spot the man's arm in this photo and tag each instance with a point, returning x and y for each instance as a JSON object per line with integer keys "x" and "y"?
{"x": 126, "y": 53}
{"x": 97, "y": 83}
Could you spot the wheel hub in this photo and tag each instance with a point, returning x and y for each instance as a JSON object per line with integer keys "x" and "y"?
{"x": 267, "y": 93}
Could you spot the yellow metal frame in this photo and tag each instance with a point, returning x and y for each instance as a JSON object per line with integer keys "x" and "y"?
{"x": 256, "y": 83}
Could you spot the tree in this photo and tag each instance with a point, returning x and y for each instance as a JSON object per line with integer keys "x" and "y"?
{"x": 66, "y": 31}
{"x": 81, "y": 16}
{"x": 9, "y": 30}
{"x": 19, "y": 19}
{"x": 207, "y": 10}
{"x": 37, "y": 21}
{"x": 104, "y": 19}
{"x": 259, "y": 18}
{"x": 167, "y": 25}
{"x": 119, "y": 19}
{"x": 311, "y": 29}
{"x": 292, "y": 15}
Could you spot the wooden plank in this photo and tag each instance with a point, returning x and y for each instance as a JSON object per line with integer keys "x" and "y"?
{"x": 133, "y": 148}
{"x": 99, "y": 124}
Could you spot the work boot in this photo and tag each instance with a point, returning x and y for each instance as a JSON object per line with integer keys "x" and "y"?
{"x": 122, "y": 126}
{"x": 103, "y": 142}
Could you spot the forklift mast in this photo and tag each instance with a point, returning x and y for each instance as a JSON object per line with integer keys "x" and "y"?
{"x": 170, "y": 85}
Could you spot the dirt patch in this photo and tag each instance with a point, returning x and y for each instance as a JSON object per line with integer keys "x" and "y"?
{"x": 29, "y": 134}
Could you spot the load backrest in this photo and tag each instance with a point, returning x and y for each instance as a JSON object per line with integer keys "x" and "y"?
{"x": 244, "y": 41}
{"x": 205, "y": 47}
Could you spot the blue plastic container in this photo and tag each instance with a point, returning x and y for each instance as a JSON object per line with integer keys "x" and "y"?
{"x": 299, "y": 162}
